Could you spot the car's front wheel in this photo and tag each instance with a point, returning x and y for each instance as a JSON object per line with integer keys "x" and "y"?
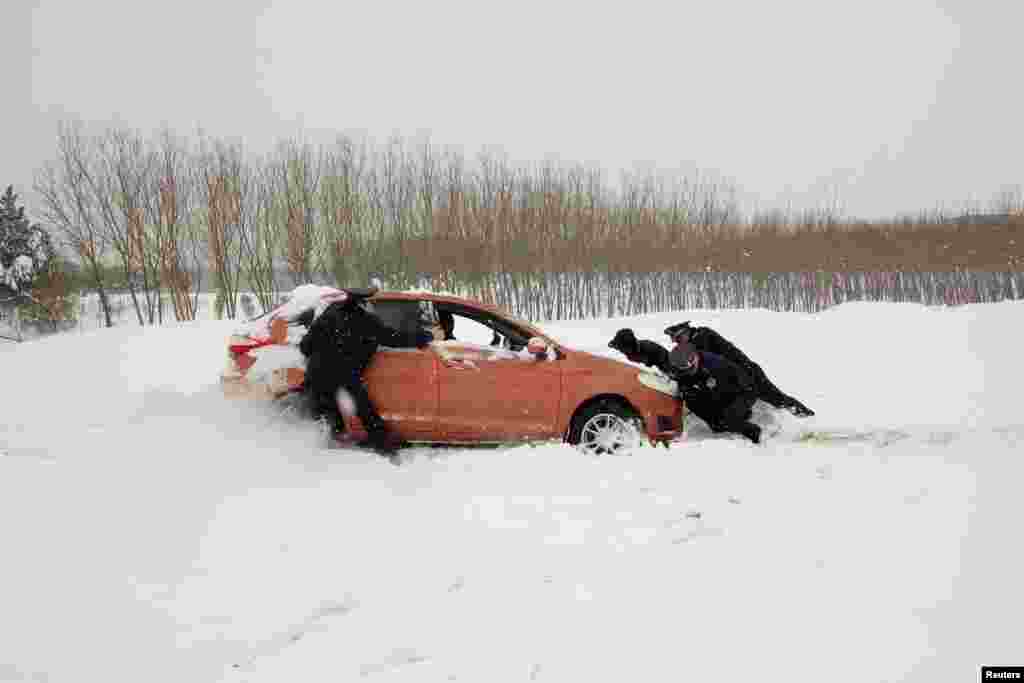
{"x": 607, "y": 427}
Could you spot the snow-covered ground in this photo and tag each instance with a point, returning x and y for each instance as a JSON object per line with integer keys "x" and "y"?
{"x": 150, "y": 531}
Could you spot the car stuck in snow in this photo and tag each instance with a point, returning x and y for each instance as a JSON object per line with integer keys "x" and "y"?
{"x": 486, "y": 378}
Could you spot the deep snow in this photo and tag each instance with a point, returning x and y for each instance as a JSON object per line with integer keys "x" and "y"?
{"x": 152, "y": 531}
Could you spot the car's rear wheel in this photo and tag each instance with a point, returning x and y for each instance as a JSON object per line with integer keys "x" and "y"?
{"x": 607, "y": 427}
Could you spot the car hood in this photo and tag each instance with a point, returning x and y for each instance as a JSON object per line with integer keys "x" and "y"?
{"x": 645, "y": 375}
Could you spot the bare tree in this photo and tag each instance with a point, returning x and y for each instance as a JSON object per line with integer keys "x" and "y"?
{"x": 69, "y": 204}
{"x": 544, "y": 240}
{"x": 170, "y": 210}
{"x": 261, "y": 240}
{"x": 345, "y": 197}
{"x": 122, "y": 185}
{"x": 295, "y": 170}
{"x": 224, "y": 183}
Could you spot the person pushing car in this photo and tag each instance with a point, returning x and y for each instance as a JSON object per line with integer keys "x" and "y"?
{"x": 706, "y": 339}
{"x": 651, "y": 354}
{"x": 338, "y": 347}
{"x": 715, "y": 389}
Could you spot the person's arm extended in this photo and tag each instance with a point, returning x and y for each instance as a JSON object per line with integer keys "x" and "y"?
{"x": 656, "y": 356}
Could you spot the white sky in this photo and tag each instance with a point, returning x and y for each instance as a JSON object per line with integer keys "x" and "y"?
{"x": 895, "y": 105}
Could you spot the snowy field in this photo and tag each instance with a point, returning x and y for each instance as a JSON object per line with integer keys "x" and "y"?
{"x": 153, "y": 532}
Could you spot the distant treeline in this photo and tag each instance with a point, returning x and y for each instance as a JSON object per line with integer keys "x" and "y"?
{"x": 164, "y": 217}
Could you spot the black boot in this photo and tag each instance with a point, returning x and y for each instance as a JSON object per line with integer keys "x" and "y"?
{"x": 333, "y": 432}
{"x": 752, "y": 432}
{"x": 800, "y": 410}
{"x": 384, "y": 443}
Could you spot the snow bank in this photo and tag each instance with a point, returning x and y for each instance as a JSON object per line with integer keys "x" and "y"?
{"x": 154, "y": 532}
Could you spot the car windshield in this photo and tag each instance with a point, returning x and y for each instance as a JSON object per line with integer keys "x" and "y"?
{"x": 524, "y": 325}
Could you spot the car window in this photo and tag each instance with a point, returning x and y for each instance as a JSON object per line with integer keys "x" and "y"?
{"x": 479, "y": 327}
{"x": 472, "y": 332}
{"x": 471, "y": 325}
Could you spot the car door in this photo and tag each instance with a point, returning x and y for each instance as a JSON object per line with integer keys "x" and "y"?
{"x": 492, "y": 394}
{"x": 403, "y": 383}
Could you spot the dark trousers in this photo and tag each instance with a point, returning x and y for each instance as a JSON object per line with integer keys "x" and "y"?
{"x": 323, "y": 387}
{"x": 771, "y": 394}
{"x": 367, "y": 412}
{"x": 733, "y": 417}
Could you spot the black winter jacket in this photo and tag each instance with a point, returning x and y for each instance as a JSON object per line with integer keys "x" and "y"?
{"x": 706, "y": 339}
{"x": 716, "y": 383}
{"x": 345, "y": 337}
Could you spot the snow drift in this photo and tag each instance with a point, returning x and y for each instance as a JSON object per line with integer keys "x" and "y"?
{"x": 153, "y": 531}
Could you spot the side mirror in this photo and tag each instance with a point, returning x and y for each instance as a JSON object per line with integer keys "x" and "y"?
{"x": 538, "y": 347}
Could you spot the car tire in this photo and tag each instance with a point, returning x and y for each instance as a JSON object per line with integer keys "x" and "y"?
{"x": 606, "y": 427}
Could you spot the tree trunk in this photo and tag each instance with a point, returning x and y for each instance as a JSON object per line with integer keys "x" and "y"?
{"x": 135, "y": 299}
{"x": 101, "y": 291}
{"x": 104, "y": 302}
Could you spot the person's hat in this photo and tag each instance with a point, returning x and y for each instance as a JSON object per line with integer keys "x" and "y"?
{"x": 683, "y": 328}
{"x": 624, "y": 339}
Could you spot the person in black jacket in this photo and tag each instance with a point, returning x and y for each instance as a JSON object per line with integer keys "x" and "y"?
{"x": 447, "y": 323}
{"x": 338, "y": 347}
{"x": 706, "y": 339}
{"x": 643, "y": 351}
{"x": 716, "y": 390}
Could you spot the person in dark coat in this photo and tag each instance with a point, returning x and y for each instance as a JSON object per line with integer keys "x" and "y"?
{"x": 651, "y": 354}
{"x": 716, "y": 390}
{"x": 447, "y": 322}
{"x": 339, "y": 346}
{"x": 708, "y": 340}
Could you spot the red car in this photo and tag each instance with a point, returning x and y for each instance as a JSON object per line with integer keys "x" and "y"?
{"x": 498, "y": 380}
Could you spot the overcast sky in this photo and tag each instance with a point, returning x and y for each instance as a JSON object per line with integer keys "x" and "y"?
{"x": 895, "y": 105}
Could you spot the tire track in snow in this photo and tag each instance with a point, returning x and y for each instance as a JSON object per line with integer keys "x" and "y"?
{"x": 314, "y": 622}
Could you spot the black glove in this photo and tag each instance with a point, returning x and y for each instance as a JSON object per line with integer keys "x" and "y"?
{"x": 423, "y": 339}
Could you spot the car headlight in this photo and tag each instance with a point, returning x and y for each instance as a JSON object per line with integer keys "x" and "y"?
{"x": 658, "y": 383}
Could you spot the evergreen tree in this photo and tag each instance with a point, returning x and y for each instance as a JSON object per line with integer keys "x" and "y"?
{"x": 25, "y": 249}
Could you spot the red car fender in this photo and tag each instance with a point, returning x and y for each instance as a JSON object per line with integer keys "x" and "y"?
{"x": 586, "y": 376}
